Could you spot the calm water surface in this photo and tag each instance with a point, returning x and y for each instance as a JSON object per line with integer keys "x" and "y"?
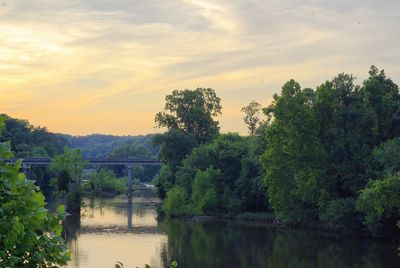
{"x": 111, "y": 230}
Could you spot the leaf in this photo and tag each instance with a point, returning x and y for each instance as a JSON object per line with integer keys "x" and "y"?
{"x": 119, "y": 265}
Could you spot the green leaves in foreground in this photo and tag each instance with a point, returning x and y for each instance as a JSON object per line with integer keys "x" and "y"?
{"x": 29, "y": 235}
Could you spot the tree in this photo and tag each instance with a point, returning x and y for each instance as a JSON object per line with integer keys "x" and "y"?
{"x": 379, "y": 201}
{"x": 191, "y": 111}
{"x": 382, "y": 101}
{"x": 175, "y": 145}
{"x": 29, "y": 234}
{"x": 251, "y": 119}
{"x": 30, "y": 141}
{"x": 24, "y": 138}
{"x": 293, "y": 156}
{"x": 69, "y": 167}
{"x": 224, "y": 153}
{"x": 386, "y": 159}
{"x": 71, "y": 162}
{"x": 234, "y": 182}
{"x": 347, "y": 137}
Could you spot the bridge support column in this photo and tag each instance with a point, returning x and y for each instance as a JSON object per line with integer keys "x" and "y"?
{"x": 25, "y": 169}
{"x": 130, "y": 227}
{"x": 129, "y": 181}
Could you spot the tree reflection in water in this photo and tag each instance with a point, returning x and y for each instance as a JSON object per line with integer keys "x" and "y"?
{"x": 222, "y": 244}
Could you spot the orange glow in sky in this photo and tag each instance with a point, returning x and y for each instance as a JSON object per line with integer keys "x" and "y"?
{"x": 104, "y": 66}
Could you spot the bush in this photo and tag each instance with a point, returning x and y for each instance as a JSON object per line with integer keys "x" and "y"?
{"x": 104, "y": 183}
{"x": 204, "y": 195}
{"x": 339, "y": 213}
{"x": 380, "y": 204}
{"x": 175, "y": 203}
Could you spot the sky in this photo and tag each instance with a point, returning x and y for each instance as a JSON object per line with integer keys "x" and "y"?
{"x": 105, "y": 66}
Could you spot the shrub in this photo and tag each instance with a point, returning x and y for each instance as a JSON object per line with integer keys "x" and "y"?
{"x": 175, "y": 202}
{"x": 380, "y": 204}
{"x": 204, "y": 195}
{"x": 104, "y": 182}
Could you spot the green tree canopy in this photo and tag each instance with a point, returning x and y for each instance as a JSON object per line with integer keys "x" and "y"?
{"x": 192, "y": 111}
{"x": 293, "y": 155}
{"x": 70, "y": 161}
{"x": 28, "y": 140}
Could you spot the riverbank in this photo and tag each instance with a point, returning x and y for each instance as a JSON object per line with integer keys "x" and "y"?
{"x": 268, "y": 219}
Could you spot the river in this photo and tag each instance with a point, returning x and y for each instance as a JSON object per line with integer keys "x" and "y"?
{"x": 111, "y": 230}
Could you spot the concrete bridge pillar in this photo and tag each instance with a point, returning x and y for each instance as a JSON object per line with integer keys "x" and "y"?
{"x": 25, "y": 169}
{"x": 129, "y": 212}
{"x": 129, "y": 166}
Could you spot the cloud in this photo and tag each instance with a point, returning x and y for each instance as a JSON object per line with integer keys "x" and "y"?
{"x": 120, "y": 57}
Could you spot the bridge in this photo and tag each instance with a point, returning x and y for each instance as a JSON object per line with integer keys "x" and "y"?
{"x": 128, "y": 163}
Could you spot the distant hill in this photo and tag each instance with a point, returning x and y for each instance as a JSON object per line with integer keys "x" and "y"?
{"x": 28, "y": 140}
{"x": 33, "y": 141}
{"x": 99, "y": 145}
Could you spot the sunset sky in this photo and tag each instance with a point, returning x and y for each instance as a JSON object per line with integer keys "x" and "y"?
{"x": 105, "y": 66}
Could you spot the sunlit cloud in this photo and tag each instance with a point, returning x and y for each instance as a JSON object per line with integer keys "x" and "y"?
{"x": 105, "y": 66}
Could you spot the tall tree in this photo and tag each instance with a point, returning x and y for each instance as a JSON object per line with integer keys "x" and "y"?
{"x": 293, "y": 155}
{"x": 251, "y": 116}
{"x": 346, "y": 134}
{"x": 192, "y": 111}
{"x": 382, "y": 101}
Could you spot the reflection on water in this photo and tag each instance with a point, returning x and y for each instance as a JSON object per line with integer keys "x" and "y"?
{"x": 111, "y": 230}
{"x": 114, "y": 229}
{"x": 224, "y": 244}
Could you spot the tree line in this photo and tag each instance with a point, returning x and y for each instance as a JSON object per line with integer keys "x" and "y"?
{"x": 27, "y": 140}
{"x": 327, "y": 156}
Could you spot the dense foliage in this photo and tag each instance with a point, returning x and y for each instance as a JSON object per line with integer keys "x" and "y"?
{"x": 103, "y": 183}
{"x": 329, "y": 156}
{"x": 29, "y": 235}
{"x": 326, "y": 152}
{"x": 199, "y": 177}
{"x": 191, "y": 111}
{"x": 32, "y": 141}
{"x": 221, "y": 177}
{"x": 69, "y": 167}
{"x": 103, "y": 146}
{"x": 28, "y": 140}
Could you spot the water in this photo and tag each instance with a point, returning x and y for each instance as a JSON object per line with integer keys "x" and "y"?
{"x": 111, "y": 230}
